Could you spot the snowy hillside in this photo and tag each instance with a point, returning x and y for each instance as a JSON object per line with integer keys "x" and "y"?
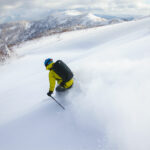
{"x": 17, "y": 32}
{"x": 108, "y": 106}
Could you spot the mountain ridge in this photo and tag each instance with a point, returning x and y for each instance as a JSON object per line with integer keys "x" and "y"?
{"x": 17, "y": 32}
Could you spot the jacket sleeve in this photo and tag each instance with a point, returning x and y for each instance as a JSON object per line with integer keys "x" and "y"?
{"x": 52, "y": 81}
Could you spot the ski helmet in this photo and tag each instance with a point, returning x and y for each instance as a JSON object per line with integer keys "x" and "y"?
{"x": 48, "y": 61}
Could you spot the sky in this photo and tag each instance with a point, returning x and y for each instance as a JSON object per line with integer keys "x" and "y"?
{"x": 11, "y": 10}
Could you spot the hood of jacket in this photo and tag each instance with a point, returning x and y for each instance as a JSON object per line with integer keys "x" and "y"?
{"x": 48, "y": 67}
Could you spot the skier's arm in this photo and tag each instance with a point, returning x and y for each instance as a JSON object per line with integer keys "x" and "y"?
{"x": 52, "y": 81}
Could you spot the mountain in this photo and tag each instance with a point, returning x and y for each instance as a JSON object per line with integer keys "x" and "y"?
{"x": 17, "y": 32}
{"x": 106, "y": 109}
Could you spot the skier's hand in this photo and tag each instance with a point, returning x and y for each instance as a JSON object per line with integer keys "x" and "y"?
{"x": 50, "y": 93}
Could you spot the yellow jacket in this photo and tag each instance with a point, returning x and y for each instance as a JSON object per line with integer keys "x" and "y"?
{"x": 53, "y": 77}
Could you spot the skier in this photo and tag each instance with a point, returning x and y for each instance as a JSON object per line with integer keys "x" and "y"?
{"x": 59, "y": 72}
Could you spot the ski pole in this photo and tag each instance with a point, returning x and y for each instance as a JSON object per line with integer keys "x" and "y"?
{"x": 58, "y": 103}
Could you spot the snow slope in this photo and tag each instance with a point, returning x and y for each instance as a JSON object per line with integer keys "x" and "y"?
{"x": 108, "y": 107}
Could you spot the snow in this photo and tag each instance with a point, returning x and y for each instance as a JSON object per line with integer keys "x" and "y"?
{"x": 108, "y": 106}
{"x": 95, "y": 18}
{"x": 26, "y": 24}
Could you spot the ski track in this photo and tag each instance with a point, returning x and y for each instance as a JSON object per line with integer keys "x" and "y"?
{"x": 108, "y": 106}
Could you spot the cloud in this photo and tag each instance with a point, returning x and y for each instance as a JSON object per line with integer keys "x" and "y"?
{"x": 36, "y": 8}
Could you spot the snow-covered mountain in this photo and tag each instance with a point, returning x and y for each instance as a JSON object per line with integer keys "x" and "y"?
{"x": 15, "y": 33}
{"x": 108, "y": 106}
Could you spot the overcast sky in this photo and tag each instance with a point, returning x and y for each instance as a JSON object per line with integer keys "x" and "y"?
{"x": 32, "y": 9}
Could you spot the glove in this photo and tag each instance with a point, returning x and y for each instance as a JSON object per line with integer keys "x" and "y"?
{"x": 50, "y": 93}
